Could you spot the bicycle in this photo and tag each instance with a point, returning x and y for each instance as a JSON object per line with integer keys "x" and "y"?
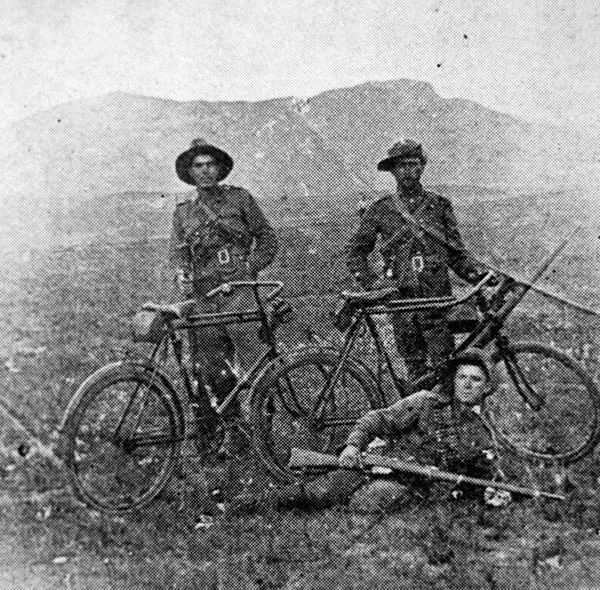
{"x": 122, "y": 431}
{"x": 546, "y": 407}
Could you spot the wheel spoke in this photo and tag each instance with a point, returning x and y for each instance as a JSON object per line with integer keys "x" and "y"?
{"x": 564, "y": 425}
{"x": 284, "y": 408}
{"x": 123, "y": 439}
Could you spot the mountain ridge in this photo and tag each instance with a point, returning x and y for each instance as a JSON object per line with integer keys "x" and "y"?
{"x": 285, "y": 148}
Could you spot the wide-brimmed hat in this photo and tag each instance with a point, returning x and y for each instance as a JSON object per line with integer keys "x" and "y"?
{"x": 403, "y": 150}
{"x": 200, "y": 147}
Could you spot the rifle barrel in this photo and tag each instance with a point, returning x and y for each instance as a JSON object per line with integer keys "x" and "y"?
{"x": 306, "y": 458}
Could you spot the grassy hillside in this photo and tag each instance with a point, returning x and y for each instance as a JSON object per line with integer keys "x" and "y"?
{"x": 66, "y": 313}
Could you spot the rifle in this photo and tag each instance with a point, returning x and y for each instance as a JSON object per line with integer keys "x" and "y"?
{"x": 306, "y": 458}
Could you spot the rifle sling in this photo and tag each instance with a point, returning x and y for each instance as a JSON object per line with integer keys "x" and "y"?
{"x": 415, "y": 226}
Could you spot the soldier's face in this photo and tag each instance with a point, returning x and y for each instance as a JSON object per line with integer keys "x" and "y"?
{"x": 407, "y": 172}
{"x": 471, "y": 384}
{"x": 204, "y": 171}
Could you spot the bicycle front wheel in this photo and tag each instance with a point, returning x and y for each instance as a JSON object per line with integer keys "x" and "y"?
{"x": 122, "y": 438}
{"x": 565, "y": 424}
{"x": 289, "y": 408}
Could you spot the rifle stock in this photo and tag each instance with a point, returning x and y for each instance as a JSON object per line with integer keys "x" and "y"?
{"x": 305, "y": 458}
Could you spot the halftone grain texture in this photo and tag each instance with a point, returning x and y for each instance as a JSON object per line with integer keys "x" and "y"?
{"x": 92, "y": 185}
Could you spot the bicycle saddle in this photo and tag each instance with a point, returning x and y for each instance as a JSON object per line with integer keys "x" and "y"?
{"x": 180, "y": 310}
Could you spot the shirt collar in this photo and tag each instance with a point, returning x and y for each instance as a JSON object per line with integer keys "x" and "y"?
{"x": 415, "y": 193}
{"x": 212, "y": 194}
{"x": 413, "y": 199}
{"x": 466, "y": 413}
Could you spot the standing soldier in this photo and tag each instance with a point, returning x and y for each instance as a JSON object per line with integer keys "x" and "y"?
{"x": 415, "y": 261}
{"x": 219, "y": 235}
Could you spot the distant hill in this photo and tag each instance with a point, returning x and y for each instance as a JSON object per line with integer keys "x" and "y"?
{"x": 286, "y": 150}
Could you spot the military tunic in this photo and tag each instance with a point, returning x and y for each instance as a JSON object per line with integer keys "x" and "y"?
{"x": 217, "y": 236}
{"x": 431, "y": 431}
{"x": 417, "y": 263}
{"x": 230, "y": 223}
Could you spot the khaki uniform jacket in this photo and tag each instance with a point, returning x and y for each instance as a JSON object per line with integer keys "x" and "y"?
{"x": 417, "y": 263}
{"x": 429, "y": 428}
{"x": 233, "y": 241}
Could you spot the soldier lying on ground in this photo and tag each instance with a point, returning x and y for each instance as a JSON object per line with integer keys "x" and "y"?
{"x": 432, "y": 428}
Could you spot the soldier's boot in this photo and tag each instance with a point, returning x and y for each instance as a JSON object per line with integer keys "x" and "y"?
{"x": 334, "y": 488}
{"x": 222, "y": 384}
{"x": 325, "y": 491}
{"x": 232, "y": 444}
{"x": 284, "y": 498}
{"x": 212, "y": 389}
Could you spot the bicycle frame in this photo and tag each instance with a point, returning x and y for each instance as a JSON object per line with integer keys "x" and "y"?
{"x": 175, "y": 326}
{"x": 507, "y": 297}
{"x": 363, "y": 317}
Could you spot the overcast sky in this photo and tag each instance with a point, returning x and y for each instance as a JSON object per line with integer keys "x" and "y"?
{"x": 538, "y": 59}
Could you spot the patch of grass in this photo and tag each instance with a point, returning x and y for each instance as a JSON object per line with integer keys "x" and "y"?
{"x": 183, "y": 541}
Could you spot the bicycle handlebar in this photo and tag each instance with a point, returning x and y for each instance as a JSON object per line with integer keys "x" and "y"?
{"x": 477, "y": 288}
{"x": 227, "y": 288}
{"x": 379, "y": 294}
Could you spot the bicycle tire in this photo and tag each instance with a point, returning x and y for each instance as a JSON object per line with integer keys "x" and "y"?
{"x": 282, "y": 405}
{"x": 566, "y": 427}
{"x": 115, "y": 474}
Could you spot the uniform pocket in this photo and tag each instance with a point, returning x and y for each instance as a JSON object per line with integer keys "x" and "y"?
{"x": 231, "y": 222}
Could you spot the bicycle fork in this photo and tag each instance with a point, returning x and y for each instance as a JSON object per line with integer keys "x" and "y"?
{"x": 124, "y": 435}
{"x": 529, "y": 395}
{"x": 125, "y": 432}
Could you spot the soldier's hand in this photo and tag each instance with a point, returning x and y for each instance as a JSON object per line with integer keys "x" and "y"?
{"x": 493, "y": 281}
{"x": 490, "y": 288}
{"x": 350, "y": 457}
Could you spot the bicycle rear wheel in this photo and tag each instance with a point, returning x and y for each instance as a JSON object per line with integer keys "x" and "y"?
{"x": 283, "y": 406}
{"x": 566, "y": 427}
{"x": 122, "y": 438}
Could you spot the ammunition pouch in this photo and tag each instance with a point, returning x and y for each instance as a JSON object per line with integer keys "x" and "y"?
{"x": 227, "y": 230}
{"x": 223, "y": 262}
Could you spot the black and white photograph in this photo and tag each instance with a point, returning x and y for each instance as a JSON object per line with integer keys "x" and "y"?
{"x": 299, "y": 295}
